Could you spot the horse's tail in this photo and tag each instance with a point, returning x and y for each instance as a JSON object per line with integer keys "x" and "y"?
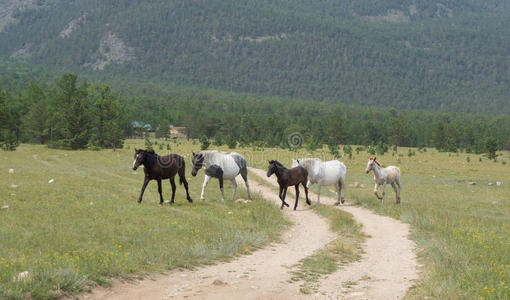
{"x": 182, "y": 172}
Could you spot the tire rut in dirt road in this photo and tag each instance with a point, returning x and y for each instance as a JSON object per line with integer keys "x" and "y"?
{"x": 264, "y": 274}
{"x": 388, "y": 266}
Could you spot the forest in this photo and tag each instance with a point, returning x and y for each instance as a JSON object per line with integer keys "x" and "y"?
{"x": 73, "y": 114}
{"x": 433, "y": 55}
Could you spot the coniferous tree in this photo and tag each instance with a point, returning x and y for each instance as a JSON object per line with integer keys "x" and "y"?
{"x": 71, "y": 113}
{"x": 8, "y": 138}
{"x": 108, "y": 118}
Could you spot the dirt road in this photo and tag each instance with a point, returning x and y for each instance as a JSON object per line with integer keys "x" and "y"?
{"x": 385, "y": 271}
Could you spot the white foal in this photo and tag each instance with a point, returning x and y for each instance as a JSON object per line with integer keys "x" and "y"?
{"x": 383, "y": 176}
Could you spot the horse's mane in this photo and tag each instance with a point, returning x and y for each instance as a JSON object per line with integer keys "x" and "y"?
{"x": 209, "y": 152}
{"x": 377, "y": 163}
{"x": 308, "y": 162}
{"x": 277, "y": 163}
{"x": 151, "y": 158}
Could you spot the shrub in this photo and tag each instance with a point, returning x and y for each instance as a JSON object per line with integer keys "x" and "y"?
{"x": 348, "y": 151}
{"x": 204, "y": 142}
{"x": 148, "y": 143}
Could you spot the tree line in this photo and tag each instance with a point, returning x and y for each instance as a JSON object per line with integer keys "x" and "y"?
{"x": 245, "y": 119}
{"x": 68, "y": 114}
{"x": 73, "y": 114}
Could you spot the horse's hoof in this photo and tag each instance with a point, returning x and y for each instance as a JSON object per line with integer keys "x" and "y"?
{"x": 190, "y": 200}
{"x": 202, "y": 198}
{"x": 337, "y": 203}
{"x": 343, "y": 201}
{"x": 310, "y": 202}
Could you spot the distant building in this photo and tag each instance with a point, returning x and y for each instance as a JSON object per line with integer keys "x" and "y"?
{"x": 177, "y": 132}
{"x": 140, "y": 130}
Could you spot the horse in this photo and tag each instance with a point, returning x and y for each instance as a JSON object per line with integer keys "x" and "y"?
{"x": 324, "y": 173}
{"x": 161, "y": 167}
{"x": 286, "y": 178}
{"x": 383, "y": 176}
{"x": 221, "y": 165}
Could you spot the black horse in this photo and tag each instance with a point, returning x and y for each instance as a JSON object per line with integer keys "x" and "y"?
{"x": 161, "y": 167}
{"x": 286, "y": 178}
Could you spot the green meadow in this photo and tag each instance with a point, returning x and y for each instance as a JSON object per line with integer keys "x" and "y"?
{"x": 86, "y": 227}
{"x": 462, "y": 231}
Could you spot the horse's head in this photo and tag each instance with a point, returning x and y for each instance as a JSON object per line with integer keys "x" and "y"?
{"x": 370, "y": 164}
{"x": 139, "y": 158}
{"x": 272, "y": 167}
{"x": 198, "y": 162}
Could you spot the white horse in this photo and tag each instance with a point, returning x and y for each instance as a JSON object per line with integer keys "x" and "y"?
{"x": 383, "y": 176}
{"x": 324, "y": 173}
{"x": 221, "y": 165}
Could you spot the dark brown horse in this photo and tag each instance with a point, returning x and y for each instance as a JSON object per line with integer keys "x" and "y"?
{"x": 161, "y": 167}
{"x": 286, "y": 178}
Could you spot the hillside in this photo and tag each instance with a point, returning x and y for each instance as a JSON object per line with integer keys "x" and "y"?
{"x": 441, "y": 55}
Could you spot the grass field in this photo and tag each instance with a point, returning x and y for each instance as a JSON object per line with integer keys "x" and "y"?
{"x": 462, "y": 231}
{"x": 86, "y": 226}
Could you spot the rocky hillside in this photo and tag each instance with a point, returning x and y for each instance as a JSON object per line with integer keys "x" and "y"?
{"x": 440, "y": 54}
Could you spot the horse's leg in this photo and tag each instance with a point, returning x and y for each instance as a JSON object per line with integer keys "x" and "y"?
{"x": 280, "y": 194}
{"x": 145, "y": 182}
{"x": 160, "y": 191}
{"x": 283, "y": 197}
{"x": 172, "y": 182}
{"x": 396, "y": 192}
{"x": 182, "y": 179}
{"x": 297, "y": 196}
{"x": 383, "y": 192}
{"x": 306, "y": 194}
{"x": 342, "y": 189}
{"x": 375, "y": 191}
{"x": 308, "y": 183}
{"x": 319, "y": 192}
{"x": 244, "y": 174}
{"x": 338, "y": 187}
{"x": 206, "y": 181}
{"x": 221, "y": 188}
{"x": 399, "y": 189}
{"x": 234, "y": 188}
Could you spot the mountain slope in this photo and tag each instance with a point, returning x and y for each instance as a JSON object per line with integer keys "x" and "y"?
{"x": 448, "y": 55}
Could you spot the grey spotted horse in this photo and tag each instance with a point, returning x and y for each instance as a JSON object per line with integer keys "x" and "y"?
{"x": 221, "y": 165}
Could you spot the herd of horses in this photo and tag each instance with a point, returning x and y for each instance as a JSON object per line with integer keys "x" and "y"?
{"x": 221, "y": 165}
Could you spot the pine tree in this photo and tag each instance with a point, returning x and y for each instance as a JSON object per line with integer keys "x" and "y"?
{"x": 204, "y": 142}
{"x": 71, "y": 113}
{"x": 8, "y": 137}
{"x": 491, "y": 146}
{"x": 108, "y": 117}
{"x": 148, "y": 143}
